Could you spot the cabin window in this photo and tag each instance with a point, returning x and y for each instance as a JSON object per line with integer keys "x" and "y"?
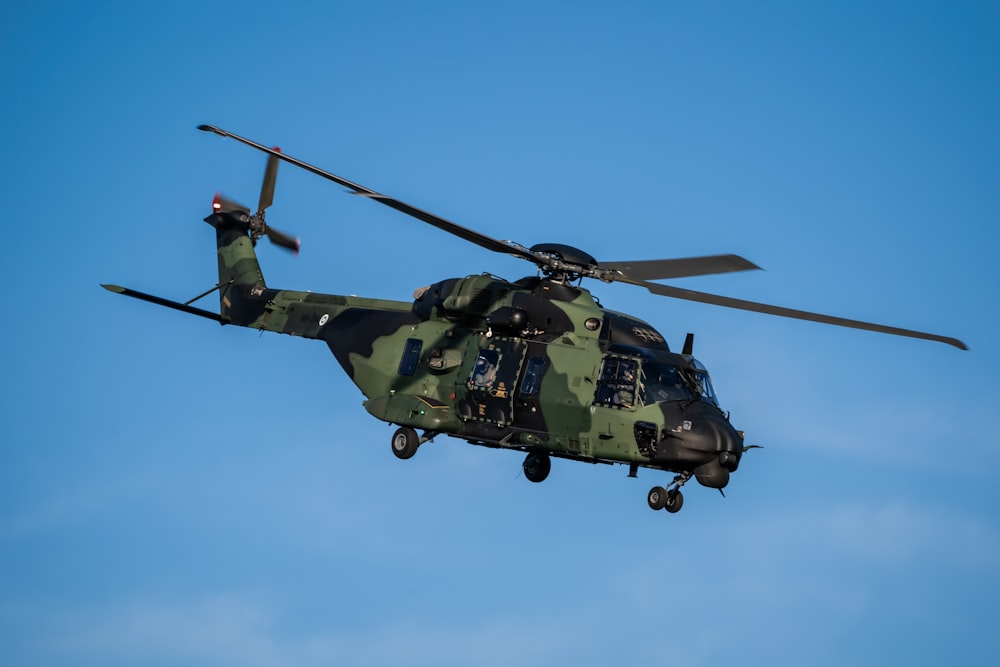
{"x": 411, "y": 355}
{"x": 484, "y": 373}
{"x": 617, "y": 384}
{"x": 532, "y": 377}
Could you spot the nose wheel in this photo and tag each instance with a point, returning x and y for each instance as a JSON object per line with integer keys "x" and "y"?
{"x": 657, "y": 498}
{"x": 669, "y": 498}
{"x": 405, "y": 441}
{"x": 675, "y": 501}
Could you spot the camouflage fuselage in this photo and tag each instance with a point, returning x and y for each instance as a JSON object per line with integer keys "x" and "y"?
{"x": 534, "y": 365}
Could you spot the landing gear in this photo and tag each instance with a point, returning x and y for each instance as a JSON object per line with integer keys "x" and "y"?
{"x": 536, "y": 467}
{"x": 670, "y": 498}
{"x": 657, "y": 498}
{"x": 675, "y": 501}
{"x": 405, "y": 442}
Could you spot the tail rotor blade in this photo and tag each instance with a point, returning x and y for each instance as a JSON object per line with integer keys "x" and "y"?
{"x": 254, "y": 224}
{"x": 283, "y": 240}
{"x": 267, "y": 188}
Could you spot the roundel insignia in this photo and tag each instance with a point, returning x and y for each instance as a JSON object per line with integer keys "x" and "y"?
{"x": 323, "y": 320}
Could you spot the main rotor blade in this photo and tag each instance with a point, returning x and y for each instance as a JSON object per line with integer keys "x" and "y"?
{"x": 728, "y": 302}
{"x": 665, "y": 269}
{"x": 267, "y": 187}
{"x": 446, "y": 225}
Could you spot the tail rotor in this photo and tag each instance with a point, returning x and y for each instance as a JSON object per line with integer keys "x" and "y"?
{"x": 255, "y": 223}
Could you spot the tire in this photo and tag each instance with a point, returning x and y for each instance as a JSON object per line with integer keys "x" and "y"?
{"x": 675, "y": 501}
{"x": 536, "y": 467}
{"x": 657, "y": 498}
{"x": 405, "y": 443}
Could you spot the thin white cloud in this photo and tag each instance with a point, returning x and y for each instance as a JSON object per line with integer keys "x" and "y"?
{"x": 894, "y": 533}
{"x": 219, "y": 630}
{"x": 67, "y": 505}
{"x": 899, "y": 532}
{"x": 234, "y": 630}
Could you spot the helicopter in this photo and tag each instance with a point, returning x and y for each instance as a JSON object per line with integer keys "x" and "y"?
{"x": 536, "y": 365}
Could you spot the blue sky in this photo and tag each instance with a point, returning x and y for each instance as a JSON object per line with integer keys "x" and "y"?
{"x": 176, "y": 493}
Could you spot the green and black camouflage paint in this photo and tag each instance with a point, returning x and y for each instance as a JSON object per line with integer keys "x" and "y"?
{"x": 557, "y": 333}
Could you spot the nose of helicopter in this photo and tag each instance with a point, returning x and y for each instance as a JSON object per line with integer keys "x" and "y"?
{"x": 719, "y": 447}
{"x": 720, "y": 435}
{"x": 730, "y": 444}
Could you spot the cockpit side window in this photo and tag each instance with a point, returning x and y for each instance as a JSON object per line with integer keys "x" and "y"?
{"x": 663, "y": 382}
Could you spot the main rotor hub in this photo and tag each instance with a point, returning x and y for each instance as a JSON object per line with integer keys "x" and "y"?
{"x": 559, "y": 261}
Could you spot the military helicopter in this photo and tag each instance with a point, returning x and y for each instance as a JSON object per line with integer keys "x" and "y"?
{"x": 536, "y": 365}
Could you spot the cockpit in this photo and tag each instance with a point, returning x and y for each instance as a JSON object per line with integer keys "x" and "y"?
{"x": 627, "y": 382}
{"x": 667, "y": 382}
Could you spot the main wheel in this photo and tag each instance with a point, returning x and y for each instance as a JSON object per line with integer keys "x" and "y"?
{"x": 405, "y": 442}
{"x": 675, "y": 501}
{"x": 657, "y": 498}
{"x": 537, "y": 466}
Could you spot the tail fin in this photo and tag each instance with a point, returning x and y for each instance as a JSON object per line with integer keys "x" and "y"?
{"x": 238, "y": 265}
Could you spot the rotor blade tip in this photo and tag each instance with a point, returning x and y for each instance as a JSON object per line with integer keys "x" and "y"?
{"x": 211, "y": 128}
{"x": 747, "y": 264}
{"x": 113, "y": 288}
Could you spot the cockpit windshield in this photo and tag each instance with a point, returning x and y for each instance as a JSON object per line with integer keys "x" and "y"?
{"x": 703, "y": 382}
{"x": 627, "y": 382}
{"x": 666, "y": 382}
